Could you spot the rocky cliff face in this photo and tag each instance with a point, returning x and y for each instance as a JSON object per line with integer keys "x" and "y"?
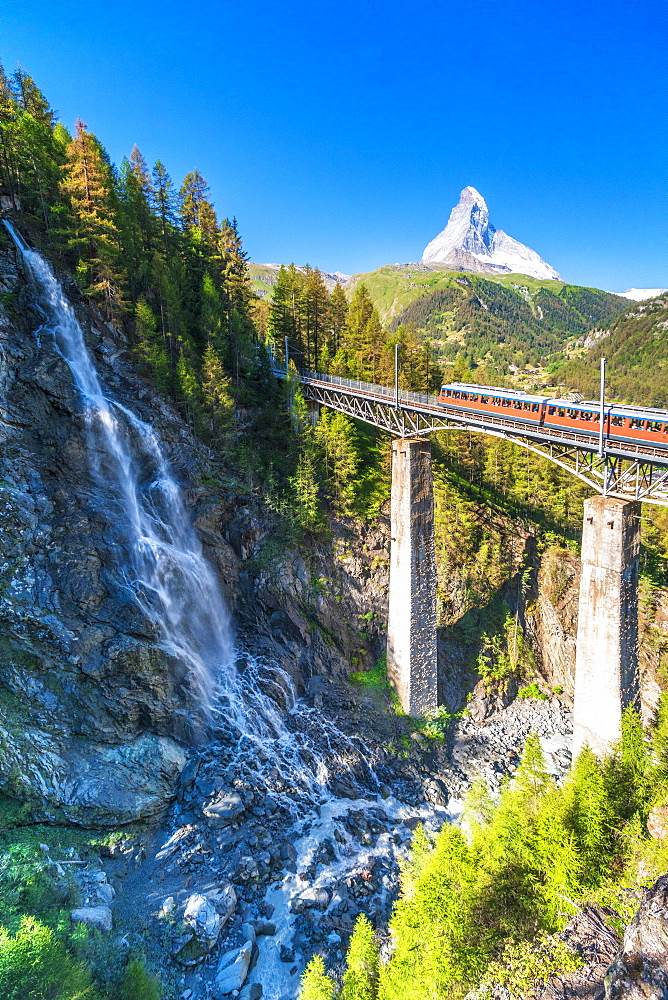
{"x": 95, "y": 718}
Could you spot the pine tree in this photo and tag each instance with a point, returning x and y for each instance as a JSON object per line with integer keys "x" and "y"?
{"x": 315, "y": 983}
{"x": 338, "y": 316}
{"x": 218, "y": 400}
{"x": 189, "y": 392}
{"x": 165, "y": 203}
{"x": 197, "y": 212}
{"x": 360, "y": 979}
{"x": 88, "y": 186}
{"x": 150, "y": 346}
{"x": 336, "y": 433}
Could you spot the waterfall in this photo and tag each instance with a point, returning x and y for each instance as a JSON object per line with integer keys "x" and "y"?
{"x": 174, "y": 585}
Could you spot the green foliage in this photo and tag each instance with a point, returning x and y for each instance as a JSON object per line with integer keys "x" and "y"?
{"x": 315, "y": 983}
{"x": 436, "y": 723}
{"x": 34, "y": 965}
{"x": 138, "y": 984}
{"x": 376, "y": 678}
{"x": 480, "y": 910}
{"x": 360, "y": 979}
{"x": 524, "y": 966}
{"x": 532, "y": 691}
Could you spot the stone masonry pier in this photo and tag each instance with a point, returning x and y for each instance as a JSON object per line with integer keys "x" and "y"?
{"x": 411, "y": 631}
{"x": 606, "y": 666}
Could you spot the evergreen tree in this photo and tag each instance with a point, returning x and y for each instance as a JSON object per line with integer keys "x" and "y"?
{"x": 164, "y": 199}
{"x": 87, "y": 184}
{"x": 360, "y": 979}
{"x": 218, "y": 400}
{"x": 316, "y": 984}
{"x": 197, "y": 212}
{"x": 336, "y": 433}
{"x": 150, "y": 346}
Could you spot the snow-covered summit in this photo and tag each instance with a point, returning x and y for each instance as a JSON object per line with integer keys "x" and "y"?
{"x": 470, "y": 242}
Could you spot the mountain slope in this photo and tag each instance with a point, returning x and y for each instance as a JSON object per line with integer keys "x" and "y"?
{"x": 470, "y": 242}
{"x": 636, "y": 349}
{"x": 510, "y": 319}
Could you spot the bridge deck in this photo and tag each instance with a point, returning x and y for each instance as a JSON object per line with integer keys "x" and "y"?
{"x": 339, "y": 390}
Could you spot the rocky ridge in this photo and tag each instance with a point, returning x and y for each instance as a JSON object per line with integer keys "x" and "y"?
{"x": 470, "y": 242}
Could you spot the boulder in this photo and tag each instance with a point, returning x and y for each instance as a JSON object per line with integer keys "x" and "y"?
{"x": 232, "y": 971}
{"x": 223, "y": 810}
{"x": 98, "y": 917}
{"x": 224, "y": 898}
{"x": 106, "y": 893}
{"x": 313, "y": 898}
{"x": 640, "y": 970}
{"x": 201, "y": 914}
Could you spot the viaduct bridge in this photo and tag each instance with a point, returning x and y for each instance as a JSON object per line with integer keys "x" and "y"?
{"x": 620, "y": 452}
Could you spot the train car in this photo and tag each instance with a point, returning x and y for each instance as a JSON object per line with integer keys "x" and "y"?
{"x": 621, "y": 423}
{"x": 481, "y": 399}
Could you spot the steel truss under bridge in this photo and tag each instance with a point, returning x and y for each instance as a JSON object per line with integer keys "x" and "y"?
{"x": 624, "y": 470}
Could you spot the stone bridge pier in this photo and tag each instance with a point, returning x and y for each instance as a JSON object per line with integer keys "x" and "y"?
{"x": 606, "y": 661}
{"x": 411, "y": 628}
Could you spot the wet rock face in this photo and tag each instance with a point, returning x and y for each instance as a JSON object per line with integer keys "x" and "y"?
{"x": 92, "y": 713}
{"x": 640, "y": 971}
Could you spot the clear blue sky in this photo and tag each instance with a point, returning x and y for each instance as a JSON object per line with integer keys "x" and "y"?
{"x": 340, "y": 134}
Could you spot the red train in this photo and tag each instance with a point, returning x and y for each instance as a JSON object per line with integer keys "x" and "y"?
{"x": 625, "y": 424}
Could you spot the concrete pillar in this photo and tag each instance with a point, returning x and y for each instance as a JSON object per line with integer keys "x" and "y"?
{"x": 411, "y": 628}
{"x": 606, "y": 660}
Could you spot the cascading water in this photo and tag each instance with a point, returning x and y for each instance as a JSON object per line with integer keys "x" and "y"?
{"x": 263, "y": 738}
{"x": 167, "y": 574}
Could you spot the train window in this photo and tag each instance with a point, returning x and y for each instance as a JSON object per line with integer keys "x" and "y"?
{"x": 449, "y": 392}
{"x": 573, "y": 414}
{"x": 456, "y": 395}
{"x": 474, "y": 399}
{"x": 483, "y": 399}
{"x": 527, "y": 406}
{"x": 562, "y": 411}
{"x": 617, "y": 421}
{"x": 585, "y": 415}
{"x": 534, "y": 407}
{"x": 551, "y": 410}
{"x": 517, "y": 405}
{"x": 635, "y": 423}
{"x": 654, "y": 426}
{"x": 505, "y": 402}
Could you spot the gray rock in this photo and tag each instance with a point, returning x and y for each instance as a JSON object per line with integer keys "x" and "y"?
{"x": 106, "y": 893}
{"x": 224, "y": 898}
{"x": 232, "y": 970}
{"x": 253, "y": 991}
{"x": 201, "y": 914}
{"x": 223, "y": 810}
{"x": 264, "y": 927}
{"x": 640, "y": 971}
{"x": 314, "y": 898}
{"x": 98, "y": 917}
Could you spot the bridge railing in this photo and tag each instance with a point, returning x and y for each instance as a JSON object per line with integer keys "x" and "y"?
{"x": 367, "y": 388}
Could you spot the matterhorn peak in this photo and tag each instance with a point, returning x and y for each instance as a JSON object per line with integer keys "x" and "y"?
{"x": 470, "y": 242}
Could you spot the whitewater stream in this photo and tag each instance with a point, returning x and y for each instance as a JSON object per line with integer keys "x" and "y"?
{"x": 169, "y": 578}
